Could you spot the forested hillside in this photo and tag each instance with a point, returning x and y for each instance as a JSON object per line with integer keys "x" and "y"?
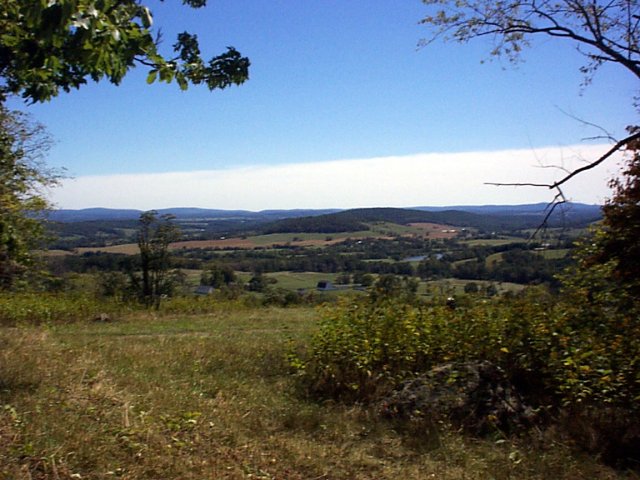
{"x": 500, "y": 219}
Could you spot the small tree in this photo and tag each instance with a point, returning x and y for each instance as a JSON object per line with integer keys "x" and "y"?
{"x": 154, "y": 236}
{"x": 343, "y": 278}
{"x": 218, "y": 276}
{"x": 363, "y": 279}
{"x": 260, "y": 282}
{"x": 391, "y": 286}
{"x": 23, "y": 180}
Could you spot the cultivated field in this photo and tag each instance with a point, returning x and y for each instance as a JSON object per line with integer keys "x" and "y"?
{"x": 380, "y": 230}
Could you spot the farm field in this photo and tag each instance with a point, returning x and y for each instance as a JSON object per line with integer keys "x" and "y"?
{"x": 299, "y": 280}
{"x": 493, "y": 242}
{"x": 211, "y": 397}
{"x": 548, "y": 254}
{"x": 379, "y": 230}
{"x": 260, "y": 241}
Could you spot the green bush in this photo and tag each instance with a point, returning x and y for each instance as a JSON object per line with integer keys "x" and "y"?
{"x": 546, "y": 346}
{"x": 364, "y": 348}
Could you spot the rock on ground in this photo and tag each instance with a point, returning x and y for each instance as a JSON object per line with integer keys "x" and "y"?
{"x": 475, "y": 396}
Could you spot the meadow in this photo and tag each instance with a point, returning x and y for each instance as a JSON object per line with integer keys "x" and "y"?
{"x": 212, "y": 396}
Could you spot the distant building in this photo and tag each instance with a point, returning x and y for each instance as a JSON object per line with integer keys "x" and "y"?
{"x": 204, "y": 290}
{"x": 324, "y": 285}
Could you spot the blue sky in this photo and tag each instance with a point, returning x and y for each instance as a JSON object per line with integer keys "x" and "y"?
{"x": 335, "y": 87}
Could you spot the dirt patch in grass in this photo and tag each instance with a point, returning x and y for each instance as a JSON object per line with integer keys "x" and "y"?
{"x": 126, "y": 248}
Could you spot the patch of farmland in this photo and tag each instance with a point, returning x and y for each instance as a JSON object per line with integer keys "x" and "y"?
{"x": 434, "y": 230}
{"x": 493, "y": 242}
{"x": 126, "y": 248}
{"x": 298, "y": 280}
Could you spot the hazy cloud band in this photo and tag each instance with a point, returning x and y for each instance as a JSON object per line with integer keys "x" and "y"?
{"x": 411, "y": 180}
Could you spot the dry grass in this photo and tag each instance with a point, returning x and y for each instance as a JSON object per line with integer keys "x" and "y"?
{"x": 211, "y": 397}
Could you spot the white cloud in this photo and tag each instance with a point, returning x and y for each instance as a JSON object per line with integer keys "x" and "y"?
{"x": 411, "y": 180}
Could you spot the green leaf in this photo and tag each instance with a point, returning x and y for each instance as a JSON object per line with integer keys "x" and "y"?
{"x": 151, "y": 77}
{"x": 182, "y": 82}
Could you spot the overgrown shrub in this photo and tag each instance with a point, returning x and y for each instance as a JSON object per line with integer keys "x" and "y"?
{"x": 573, "y": 355}
{"x": 365, "y": 347}
{"x": 545, "y": 345}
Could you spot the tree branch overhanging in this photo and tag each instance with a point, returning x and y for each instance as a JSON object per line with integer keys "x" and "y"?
{"x": 559, "y": 198}
{"x": 608, "y": 29}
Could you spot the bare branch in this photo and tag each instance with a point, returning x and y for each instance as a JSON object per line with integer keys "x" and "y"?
{"x": 518, "y": 184}
{"x": 558, "y": 200}
{"x": 617, "y": 147}
{"x": 606, "y": 133}
{"x": 554, "y": 167}
{"x": 556, "y": 185}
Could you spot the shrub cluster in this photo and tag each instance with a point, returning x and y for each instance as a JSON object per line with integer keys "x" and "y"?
{"x": 546, "y": 345}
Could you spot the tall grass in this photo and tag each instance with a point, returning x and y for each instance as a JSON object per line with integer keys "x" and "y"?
{"x": 27, "y": 308}
{"x": 211, "y": 397}
{"x": 580, "y": 365}
{"x": 50, "y": 308}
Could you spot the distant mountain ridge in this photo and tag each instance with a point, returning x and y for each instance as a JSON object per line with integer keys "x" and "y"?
{"x": 510, "y": 217}
{"x": 99, "y": 226}
{"x": 182, "y": 213}
{"x": 571, "y": 210}
{"x": 526, "y": 209}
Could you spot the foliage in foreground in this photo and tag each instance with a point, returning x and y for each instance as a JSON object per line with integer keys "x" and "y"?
{"x": 46, "y": 47}
{"x": 561, "y": 359}
{"x": 210, "y": 397}
{"x": 365, "y": 348}
{"x": 23, "y": 177}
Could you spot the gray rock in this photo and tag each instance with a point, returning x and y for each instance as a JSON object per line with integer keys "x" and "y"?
{"x": 475, "y": 396}
{"x": 102, "y": 317}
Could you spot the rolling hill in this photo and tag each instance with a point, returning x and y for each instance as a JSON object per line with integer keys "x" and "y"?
{"x": 482, "y": 218}
{"x": 100, "y": 226}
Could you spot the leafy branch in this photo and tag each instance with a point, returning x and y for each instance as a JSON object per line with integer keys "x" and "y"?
{"x": 46, "y": 47}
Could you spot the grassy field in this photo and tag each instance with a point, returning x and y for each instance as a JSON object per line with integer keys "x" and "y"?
{"x": 493, "y": 242}
{"x": 448, "y": 286}
{"x": 455, "y": 286}
{"x": 297, "y": 280}
{"x": 554, "y": 253}
{"x": 211, "y": 397}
